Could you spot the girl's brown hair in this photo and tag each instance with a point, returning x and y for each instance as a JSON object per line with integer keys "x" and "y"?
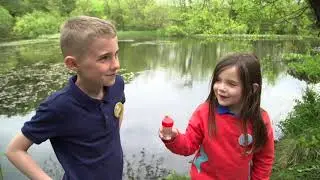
{"x": 250, "y": 112}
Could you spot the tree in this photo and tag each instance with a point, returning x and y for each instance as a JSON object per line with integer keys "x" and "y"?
{"x": 315, "y": 5}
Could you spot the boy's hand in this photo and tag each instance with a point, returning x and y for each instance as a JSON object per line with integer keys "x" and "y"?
{"x": 168, "y": 135}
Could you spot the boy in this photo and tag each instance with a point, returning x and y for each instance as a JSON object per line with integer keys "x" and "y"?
{"x": 83, "y": 119}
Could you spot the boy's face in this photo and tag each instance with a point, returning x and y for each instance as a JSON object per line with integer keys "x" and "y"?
{"x": 100, "y": 64}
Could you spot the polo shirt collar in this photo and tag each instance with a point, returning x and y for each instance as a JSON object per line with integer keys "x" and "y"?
{"x": 83, "y": 97}
{"x": 224, "y": 110}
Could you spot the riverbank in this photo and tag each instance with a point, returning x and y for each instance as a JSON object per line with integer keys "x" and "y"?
{"x": 133, "y": 35}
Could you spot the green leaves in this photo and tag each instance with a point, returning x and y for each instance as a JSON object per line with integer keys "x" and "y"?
{"x": 298, "y": 152}
{"x": 304, "y": 66}
{"x": 6, "y": 22}
{"x": 37, "y": 23}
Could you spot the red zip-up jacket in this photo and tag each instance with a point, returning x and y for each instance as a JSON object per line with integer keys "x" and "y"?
{"x": 221, "y": 157}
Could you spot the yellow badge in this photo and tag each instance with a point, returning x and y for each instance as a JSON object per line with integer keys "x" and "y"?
{"x": 118, "y": 110}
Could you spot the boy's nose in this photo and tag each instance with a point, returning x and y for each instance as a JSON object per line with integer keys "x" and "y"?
{"x": 115, "y": 63}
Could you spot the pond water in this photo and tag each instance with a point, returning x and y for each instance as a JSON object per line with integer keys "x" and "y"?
{"x": 166, "y": 77}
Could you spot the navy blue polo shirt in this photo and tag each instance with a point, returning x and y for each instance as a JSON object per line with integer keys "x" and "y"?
{"x": 83, "y": 131}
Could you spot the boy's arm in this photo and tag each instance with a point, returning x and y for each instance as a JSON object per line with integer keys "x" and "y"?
{"x": 263, "y": 159}
{"x": 19, "y": 157}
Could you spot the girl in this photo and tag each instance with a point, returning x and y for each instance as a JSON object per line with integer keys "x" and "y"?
{"x": 232, "y": 135}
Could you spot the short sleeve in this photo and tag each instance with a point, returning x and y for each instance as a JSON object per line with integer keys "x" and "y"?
{"x": 123, "y": 99}
{"x": 43, "y": 125}
{"x": 122, "y": 86}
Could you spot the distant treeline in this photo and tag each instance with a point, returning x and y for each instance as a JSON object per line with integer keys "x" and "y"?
{"x": 31, "y": 18}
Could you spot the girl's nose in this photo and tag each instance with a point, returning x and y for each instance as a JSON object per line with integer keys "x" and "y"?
{"x": 222, "y": 87}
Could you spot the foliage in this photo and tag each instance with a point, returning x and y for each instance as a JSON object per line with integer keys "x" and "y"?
{"x": 95, "y": 8}
{"x": 137, "y": 166}
{"x": 37, "y": 23}
{"x": 177, "y": 18}
{"x": 18, "y": 8}
{"x": 306, "y": 114}
{"x": 306, "y": 171}
{"x": 298, "y": 152}
{"x": 305, "y": 67}
{"x": 241, "y": 17}
{"x": 175, "y": 176}
{"x": 6, "y": 22}
{"x": 15, "y": 7}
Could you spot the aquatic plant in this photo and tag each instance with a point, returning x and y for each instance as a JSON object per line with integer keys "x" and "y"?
{"x": 24, "y": 87}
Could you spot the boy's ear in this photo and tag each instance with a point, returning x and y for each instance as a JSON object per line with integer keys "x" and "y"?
{"x": 255, "y": 87}
{"x": 71, "y": 63}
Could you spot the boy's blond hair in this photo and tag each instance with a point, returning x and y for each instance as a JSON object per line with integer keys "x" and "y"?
{"x": 79, "y": 32}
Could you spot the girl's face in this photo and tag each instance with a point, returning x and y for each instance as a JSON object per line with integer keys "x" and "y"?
{"x": 228, "y": 89}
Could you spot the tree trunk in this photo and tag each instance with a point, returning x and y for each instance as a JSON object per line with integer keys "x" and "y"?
{"x": 315, "y": 4}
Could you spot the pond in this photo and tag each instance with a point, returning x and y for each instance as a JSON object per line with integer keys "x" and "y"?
{"x": 163, "y": 77}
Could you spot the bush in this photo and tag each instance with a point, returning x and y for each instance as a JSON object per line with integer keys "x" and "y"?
{"x": 6, "y": 22}
{"x": 305, "y": 115}
{"x": 175, "y": 31}
{"x": 298, "y": 152}
{"x": 37, "y": 23}
{"x": 305, "y": 67}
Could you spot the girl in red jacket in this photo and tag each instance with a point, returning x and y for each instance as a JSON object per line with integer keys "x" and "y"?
{"x": 230, "y": 132}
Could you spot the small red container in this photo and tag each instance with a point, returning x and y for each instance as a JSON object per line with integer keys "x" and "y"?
{"x": 167, "y": 124}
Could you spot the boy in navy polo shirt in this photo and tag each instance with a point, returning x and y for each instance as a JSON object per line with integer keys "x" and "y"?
{"x": 83, "y": 119}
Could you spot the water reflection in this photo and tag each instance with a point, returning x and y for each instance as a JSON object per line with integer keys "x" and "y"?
{"x": 164, "y": 77}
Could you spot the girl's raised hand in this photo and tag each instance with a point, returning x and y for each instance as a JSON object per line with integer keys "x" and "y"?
{"x": 168, "y": 133}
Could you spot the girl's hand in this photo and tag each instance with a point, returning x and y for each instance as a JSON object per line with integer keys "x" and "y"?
{"x": 164, "y": 134}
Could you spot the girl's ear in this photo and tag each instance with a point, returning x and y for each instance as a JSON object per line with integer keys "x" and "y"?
{"x": 255, "y": 87}
{"x": 71, "y": 63}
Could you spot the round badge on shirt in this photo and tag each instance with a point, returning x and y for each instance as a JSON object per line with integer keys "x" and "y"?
{"x": 118, "y": 110}
{"x": 242, "y": 142}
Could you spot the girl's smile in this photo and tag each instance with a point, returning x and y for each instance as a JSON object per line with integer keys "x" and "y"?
{"x": 228, "y": 88}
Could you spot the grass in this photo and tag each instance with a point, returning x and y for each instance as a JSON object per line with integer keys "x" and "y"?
{"x": 174, "y": 176}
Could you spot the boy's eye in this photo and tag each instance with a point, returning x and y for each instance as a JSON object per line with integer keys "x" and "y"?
{"x": 103, "y": 58}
